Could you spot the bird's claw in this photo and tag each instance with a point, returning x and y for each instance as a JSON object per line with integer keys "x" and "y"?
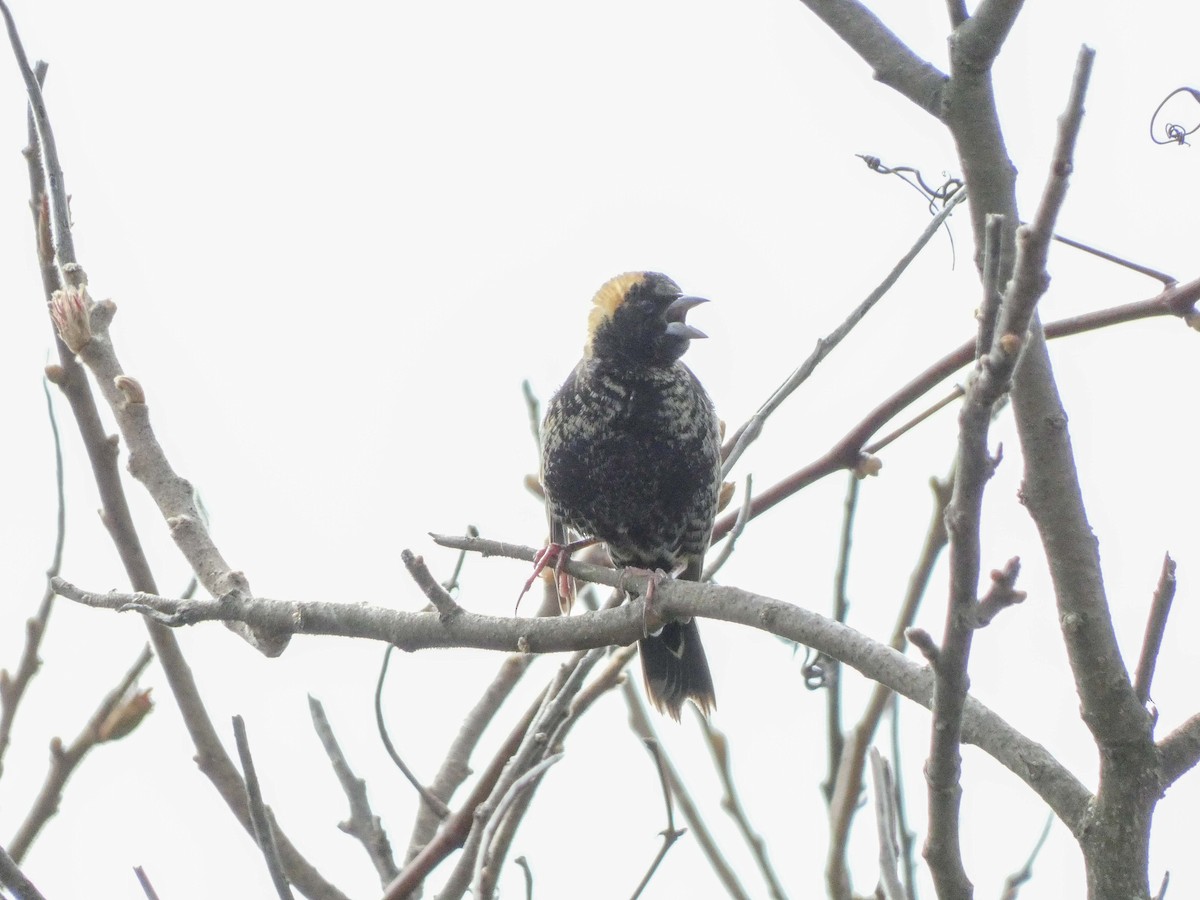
{"x": 565, "y": 584}
{"x": 653, "y": 578}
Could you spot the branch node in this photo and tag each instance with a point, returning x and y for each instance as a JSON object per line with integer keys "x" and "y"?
{"x": 130, "y": 388}
{"x": 867, "y": 466}
{"x": 923, "y": 641}
{"x": 1010, "y": 344}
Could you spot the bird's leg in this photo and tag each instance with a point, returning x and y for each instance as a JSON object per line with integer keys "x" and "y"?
{"x": 559, "y": 553}
{"x": 654, "y": 577}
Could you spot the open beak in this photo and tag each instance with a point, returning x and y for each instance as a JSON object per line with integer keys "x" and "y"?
{"x": 677, "y": 313}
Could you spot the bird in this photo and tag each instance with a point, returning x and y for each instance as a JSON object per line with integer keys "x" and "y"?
{"x": 631, "y": 456}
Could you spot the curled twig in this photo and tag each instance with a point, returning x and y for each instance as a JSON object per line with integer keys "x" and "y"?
{"x": 1175, "y": 134}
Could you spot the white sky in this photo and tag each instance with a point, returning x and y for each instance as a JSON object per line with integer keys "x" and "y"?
{"x": 339, "y": 240}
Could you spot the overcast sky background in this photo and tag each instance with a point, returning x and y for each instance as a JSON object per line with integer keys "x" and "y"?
{"x": 340, "y": 239}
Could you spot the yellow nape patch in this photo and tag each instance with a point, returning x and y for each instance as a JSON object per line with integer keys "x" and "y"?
{"x": 611, "y": 295}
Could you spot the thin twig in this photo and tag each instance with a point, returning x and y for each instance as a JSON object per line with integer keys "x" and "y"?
{"x": 144, "y": 881}
{"x": 528, "y": 872}
{"x": 718, "y": 745}
{"x": 68, "y": 374}
{"x": 15, "y": 880}
{"x": 12, "y": 688}
{"x": 259, "y": 814}
{"x": 64, "y": 760}
{"x": 641, "y": 726}
{"x": 739, "y": 525}
{"x": 750, "y": 431}
{"x": 608, "y": 678}
{"x": 907, "y": 837}
{"x": 438, "y": 808}
{"x": 454, "y": 832}
{"x": 455, "y": 765}
{"x": 451, "y": 583}
{"x": 1156, "y": 626}
{"x": 570, "y": 696}
{"x": 993, "y": 290}
{"x": 515, "y": 790}
{"x": 538, "y": 741}
{"x": 841, "y": 609}
{"x": 1178, "y": 301}
{"x": 59, "y": 202}
{"x": 533, "y": 407}
{"x": 363, "y": 824}
{"x": 1167, "y": 280}
{"x": 1012, "y": 884}
{"x": 670, "y": 834}
{"x": 851, "y": 764}
{"x": 445, "y": 604}
{"x": 883, "y": 781}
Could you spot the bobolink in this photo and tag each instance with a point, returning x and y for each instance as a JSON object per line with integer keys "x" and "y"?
{"x": 631, "y": 455}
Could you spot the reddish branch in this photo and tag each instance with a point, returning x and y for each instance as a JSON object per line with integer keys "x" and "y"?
{"x": 1178, "y": 300}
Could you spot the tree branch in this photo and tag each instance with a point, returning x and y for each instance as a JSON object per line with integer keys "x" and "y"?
{"x": 363, "y": 825}
{"x": 890, "y": 59}
{"x": 1176, "y": 300}
{"x": 260, "y": 816}
{"x": 64, "y": 760}
{"x": 1156, "y": 626}
{"x": 624, "y": 625}
{"x": 12, "y": 687}
{"x": 71, "y": 378}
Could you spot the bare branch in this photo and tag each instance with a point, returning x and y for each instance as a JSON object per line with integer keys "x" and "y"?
{"x": 1051, "y": 490}
{"x": 144, "y": 881}
{"x": 974, "y": 468}
{"x": 993, "y": 290}
{"x": 260, "y": 816}
{"x": 65, "y": 244}
{"x": 64, "y": 760}
{"x": 624, "y": 625}
{"x": 640, "y": 724}
{"x": 1177, "y": 300}
{"x": 363, "y": 824}
{"x": 718, "y": 745}
{"x": 739, "y": 525}
{"x": 851, "y": 762}
{"x": 1156, "y": 626}
{"x": 890, "y": 886}
{"x": 71, "y": 378}
{"x": 841, "y": 608}
{"x": 454, "y": 833}
{"x": 892, "y": 62}
{"x": 541, "y": 739}
{"x": 749, "y": 432}
{"x": 431, "y": 801}
{"x": 440, "y": 597}
{"x": 1180, "y": 751}
{"x": 12, "y": 688}
{"x": 1012, "y": 884}
{"x": 14, "y": 879}
{"x": 670, "y": 834}
{"x": 516, "y": 789}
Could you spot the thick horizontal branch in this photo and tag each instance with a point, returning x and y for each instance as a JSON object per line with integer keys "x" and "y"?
{"x": 620, "y": 626}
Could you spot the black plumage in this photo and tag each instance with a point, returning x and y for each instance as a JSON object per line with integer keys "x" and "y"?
{"x": 631, "y": 455}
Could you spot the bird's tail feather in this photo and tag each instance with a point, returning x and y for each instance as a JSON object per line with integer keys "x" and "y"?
{"x": 675, "y": 668}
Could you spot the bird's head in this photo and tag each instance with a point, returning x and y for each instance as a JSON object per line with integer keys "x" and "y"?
{"x": 639, "y": 319}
